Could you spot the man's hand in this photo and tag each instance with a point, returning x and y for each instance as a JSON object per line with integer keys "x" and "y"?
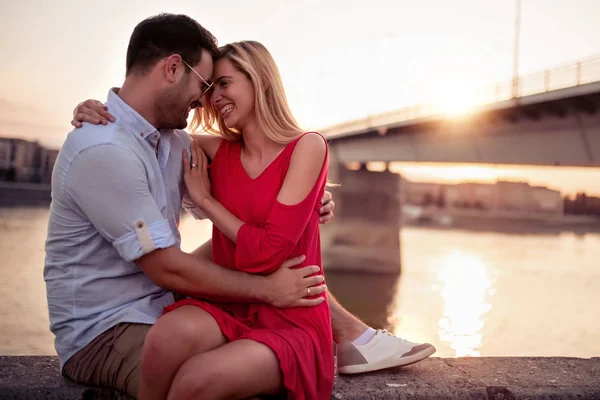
{"x": 326, "y": 210}
{"x": 289, "y": 287}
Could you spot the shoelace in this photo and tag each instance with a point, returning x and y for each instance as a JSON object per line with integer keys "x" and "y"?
{"x": 387, "y": 333}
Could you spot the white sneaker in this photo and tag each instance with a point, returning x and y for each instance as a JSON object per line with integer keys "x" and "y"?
{"x": 383, "y": 351}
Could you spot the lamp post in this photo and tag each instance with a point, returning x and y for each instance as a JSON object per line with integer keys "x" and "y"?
{"x": 515, "y": 83}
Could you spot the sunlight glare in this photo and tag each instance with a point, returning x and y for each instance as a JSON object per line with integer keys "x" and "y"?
{"x": 455, "y": 99}
{"x": 464, "y": 286}
{"x": 455, "y": 173}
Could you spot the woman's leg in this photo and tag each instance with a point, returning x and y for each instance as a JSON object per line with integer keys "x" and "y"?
{"x": 176, "y": 337}
{"x": 237, "y": 370}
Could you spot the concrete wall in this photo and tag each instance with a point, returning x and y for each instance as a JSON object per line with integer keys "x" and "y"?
{"x": 366, "y": 234}
{"x": 508, "y": 378}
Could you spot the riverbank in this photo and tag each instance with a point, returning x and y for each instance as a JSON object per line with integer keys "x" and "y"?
{"x": 510, "y": 222}
{"x": 24, "y": 194}
{"x": 508, "y": 378}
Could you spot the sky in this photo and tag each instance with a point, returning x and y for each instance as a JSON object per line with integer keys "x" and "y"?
{"x": 340, "y": 60}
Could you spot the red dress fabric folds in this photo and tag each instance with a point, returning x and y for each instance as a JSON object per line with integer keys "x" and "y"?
{"x": 273, "y": 232}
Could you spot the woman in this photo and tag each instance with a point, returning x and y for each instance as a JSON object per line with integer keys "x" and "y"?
{"x": 260, "y": 151}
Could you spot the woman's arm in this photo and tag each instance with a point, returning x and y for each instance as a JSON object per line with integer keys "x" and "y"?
{"x": 204, "y": 252}
{"x": 96, "y": 113}
{"x": 208, "y": 143}
{"x": 260, "y": 247}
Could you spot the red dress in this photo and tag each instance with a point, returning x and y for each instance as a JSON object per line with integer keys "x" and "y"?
{"x": 273, "y": 232}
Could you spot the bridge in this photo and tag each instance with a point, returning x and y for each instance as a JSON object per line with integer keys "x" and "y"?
{"x": 554, "y": 120}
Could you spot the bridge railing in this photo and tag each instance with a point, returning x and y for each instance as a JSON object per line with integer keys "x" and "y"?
{"x": 568, "y": 75}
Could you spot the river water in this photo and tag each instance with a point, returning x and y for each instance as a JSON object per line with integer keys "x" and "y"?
{"x": 468, "y": 293}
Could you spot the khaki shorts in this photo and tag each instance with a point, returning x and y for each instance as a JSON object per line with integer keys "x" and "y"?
{"x": 112, "y": 360}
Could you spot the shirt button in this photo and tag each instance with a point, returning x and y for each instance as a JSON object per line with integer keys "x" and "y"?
{"x": 140, "y": 224}
{"x": 142, "y": 134}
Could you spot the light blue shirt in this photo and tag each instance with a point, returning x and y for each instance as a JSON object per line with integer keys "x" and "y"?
{"x": 116, "y": 195}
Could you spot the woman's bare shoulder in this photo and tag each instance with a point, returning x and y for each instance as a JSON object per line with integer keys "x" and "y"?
{"x": 208, "y": 143}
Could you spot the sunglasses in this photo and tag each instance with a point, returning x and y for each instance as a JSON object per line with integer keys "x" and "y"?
{"x": 205, "y": 86}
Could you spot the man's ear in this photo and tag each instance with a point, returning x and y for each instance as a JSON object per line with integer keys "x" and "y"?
{"x": 172, "y": 67}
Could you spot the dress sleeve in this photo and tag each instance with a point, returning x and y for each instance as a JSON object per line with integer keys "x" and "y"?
{"x": 262, "y": 249}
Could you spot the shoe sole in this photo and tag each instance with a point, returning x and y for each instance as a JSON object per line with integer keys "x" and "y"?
{"x": 388, "y": 363}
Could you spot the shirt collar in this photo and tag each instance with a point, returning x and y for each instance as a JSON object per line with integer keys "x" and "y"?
{"x": 128, "y": 115}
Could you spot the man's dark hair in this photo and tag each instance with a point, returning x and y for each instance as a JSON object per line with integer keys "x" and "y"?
{"x": 166, "y": 34}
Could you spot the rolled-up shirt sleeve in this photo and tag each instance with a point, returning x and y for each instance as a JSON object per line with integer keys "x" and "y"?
{"x": 109, "y": 185}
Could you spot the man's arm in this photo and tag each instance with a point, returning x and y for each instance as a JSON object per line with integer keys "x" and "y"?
{"x": 204, "y": 252}
{"x": 109, "y": 185}
{"x": 173, "y": 269}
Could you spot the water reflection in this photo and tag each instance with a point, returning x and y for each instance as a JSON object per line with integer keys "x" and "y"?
{"x": 464, "y": 285}
{"x": 368, "y": 296}
{"x": 449, "y": 279}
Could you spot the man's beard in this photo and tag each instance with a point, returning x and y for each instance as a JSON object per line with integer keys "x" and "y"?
{"x": 171, "y": 110}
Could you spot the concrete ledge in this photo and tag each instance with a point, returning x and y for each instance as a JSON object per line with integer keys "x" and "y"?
{"x": 435, "y": 378}
{"x": 479, "y": 378}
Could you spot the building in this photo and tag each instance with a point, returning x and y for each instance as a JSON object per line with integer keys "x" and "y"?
{"x": 5, "y": 155}
{"x": 421, "y": 193}
{"x": 500, "y": 196}
{"x": 25, "y": 161}
{"x": 471, "y": 195}
{"x": 547, "y": 200}
{"x": 582, "y": 204}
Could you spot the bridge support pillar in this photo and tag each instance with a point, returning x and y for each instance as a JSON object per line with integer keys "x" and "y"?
{"x": 365, "y": 236}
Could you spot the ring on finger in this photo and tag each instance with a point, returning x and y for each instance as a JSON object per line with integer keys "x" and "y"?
{"x": 194, "y": 165}
{"x": 308, "y": 291}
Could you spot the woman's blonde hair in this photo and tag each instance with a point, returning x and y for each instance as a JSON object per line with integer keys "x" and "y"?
{"x": 270, "y": 103}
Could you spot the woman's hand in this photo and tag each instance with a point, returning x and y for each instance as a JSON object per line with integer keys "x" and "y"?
{"x": 195, "y": 175}
{"x": 91, "y": 111}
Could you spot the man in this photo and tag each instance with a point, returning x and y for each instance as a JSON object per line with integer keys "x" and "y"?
{"x": 113, "y": 254}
